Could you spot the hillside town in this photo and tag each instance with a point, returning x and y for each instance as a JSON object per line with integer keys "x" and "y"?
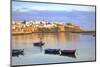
{"x": 42, "y": 26}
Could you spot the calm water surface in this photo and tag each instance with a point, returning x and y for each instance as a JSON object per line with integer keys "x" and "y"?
{"x": 83, "y": 44}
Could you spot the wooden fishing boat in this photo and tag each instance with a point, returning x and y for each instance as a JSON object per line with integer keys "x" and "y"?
{"x": 39, "y": 43}
{"x": 69, "y": 53}
{"x": 17, "y": 52}
{"x": 51, "y": 51}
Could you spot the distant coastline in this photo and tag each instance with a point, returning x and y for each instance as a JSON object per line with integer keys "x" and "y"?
{"x": 84, "y": 32}
{"x": 27, "y": 33}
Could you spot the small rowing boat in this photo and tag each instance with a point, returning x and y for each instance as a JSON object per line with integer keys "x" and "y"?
{"x": 39, "y": 43}
{"x": 17, "y": 52}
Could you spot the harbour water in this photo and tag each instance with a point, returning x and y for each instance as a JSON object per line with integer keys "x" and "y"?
{"x": 83, "y": 44}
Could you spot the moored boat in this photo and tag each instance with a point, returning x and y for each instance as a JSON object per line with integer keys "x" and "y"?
{"x": 17, "y": 52}
{"x": 39, "y": 43}
{"x": 69, "y": 53}
{"x": 51, "y": 51}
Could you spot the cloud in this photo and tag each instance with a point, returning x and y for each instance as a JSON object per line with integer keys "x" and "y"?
{"x": 23, "y": 10}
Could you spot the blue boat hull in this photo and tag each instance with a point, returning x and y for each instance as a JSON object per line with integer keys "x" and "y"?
{"x": 51, "y": 51}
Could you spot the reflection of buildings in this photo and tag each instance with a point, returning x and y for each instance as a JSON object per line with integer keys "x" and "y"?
{"x": 52, "y": 40}
{"x": 68, "y": 37}
{"x": 48, "y": 36}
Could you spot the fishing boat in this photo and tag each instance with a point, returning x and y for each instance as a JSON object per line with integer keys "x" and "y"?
{"x": 69, "y": 53}
{"x": 17, "y": 52}
{"x": 39, "y": 43}
{"x": 51, "y": 51}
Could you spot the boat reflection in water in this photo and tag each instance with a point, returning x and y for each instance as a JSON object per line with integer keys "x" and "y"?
{"x": 17, "y": 52}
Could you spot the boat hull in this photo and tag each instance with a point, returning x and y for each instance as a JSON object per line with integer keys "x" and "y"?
{"x": 51, "y": 51}
{"x": 69, "y": 53}
{"x": 17, "y": 52}
{"x": 38, "y": 44}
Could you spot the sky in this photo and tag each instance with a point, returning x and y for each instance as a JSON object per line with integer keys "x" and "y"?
{"x": 81, "y": 15}
{"x": 28, "y": 6}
